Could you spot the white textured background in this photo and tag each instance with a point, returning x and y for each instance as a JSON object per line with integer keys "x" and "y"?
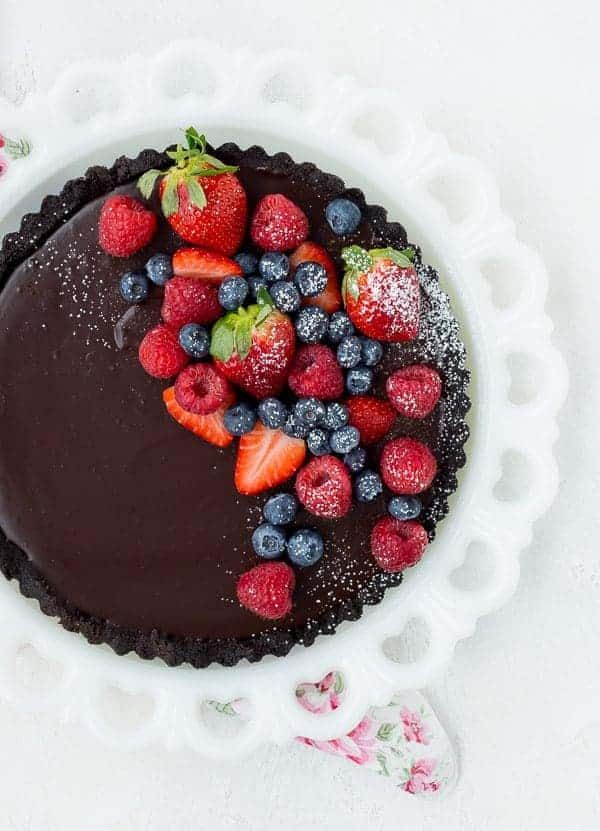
{"x": 516, "y": 85}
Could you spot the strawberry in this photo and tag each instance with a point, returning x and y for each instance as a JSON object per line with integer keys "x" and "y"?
{"x": 316, "y": 373}
{"x": 414, "y": 390}
{"x": 267, "y": 590}
{"x": 200, "y": 196}
{"x": 397, "y": 545}
{"x": 278, "y": 224}
{"x": 201, "y": 390}
{"x": 329, "y": 300}
{"x": 324, "y": 487}
{"x": 381, "y": 293}
{"x": 125, "y": 226}
{"x": 407, "y": 466}
{"x": 266, "y": 458}
{"x": 202, "y": 264}
{"x": 160, "y": 353}
{"x": 207, "y": 427}
{"x": 254, "y": 347}
{"x": 371, "y": 416}
{"x": 187, "y": 300}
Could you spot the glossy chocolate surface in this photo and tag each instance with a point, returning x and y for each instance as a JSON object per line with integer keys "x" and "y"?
{"x": 127, "y": 517}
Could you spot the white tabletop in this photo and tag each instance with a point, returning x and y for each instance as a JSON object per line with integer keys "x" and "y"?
{"x": 514, "y": 84}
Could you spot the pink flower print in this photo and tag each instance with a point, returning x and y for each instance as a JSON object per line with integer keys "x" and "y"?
{"x": 414, "y": 728}
{"x": 420, "y": 780}
{"x": 2, "y": 140}
{"x": 358, "y": 746}
{"x": 3, "y": 166}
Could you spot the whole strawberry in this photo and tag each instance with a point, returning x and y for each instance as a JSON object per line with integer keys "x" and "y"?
{"x": 200, "y": 196}
{"x": 254, "y": 347}
{"x": 381, "y": 293}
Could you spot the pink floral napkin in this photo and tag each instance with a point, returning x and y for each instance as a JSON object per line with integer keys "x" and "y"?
{"x": 402, "y": 741}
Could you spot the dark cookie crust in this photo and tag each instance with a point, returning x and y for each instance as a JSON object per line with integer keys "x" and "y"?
{"x": 200, "y": 652}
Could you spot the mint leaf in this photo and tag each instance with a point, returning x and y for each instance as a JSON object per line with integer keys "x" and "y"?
{"x": 409, "y": 253}
{"x": 195, "y": 192}
{"x": 221, "y": 341}
{"x": 170, "y": 198}
{"x": 146, "y": 182}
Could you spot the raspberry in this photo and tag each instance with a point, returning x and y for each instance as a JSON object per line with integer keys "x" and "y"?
{"x": 396, "y": 545}
{"x": 267, "y": 590}
{"x": 201, "y": 390}
{"x": 315, "y": 373}
{"x": 278, "y": 223}
{"x": 125, "y": 226}
{"x": 372, "y": 416}
{"x": 188, "y": 300}
{"x": 160, "y": 353}
{"x": 414, "y": 390}
{"x": 324, "y": 487}
{"x": 407, "y": 466}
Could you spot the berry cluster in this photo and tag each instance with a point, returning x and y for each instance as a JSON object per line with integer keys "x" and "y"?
{"x": 269, "y": 347}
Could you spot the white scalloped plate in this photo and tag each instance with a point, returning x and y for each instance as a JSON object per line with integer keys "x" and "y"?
{"x": 449, "y": 205}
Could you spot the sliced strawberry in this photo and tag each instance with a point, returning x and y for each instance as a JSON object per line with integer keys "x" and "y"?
{"x": 207, "y": 427}
{"x": 203, "y": 264}
{"x": 266, "y": 458}
{"x": 329, "y": 300}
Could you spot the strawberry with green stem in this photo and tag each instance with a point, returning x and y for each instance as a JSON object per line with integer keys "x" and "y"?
{"x": 254, "y": 347}
{"x": 381, "y": 293}
{"x": 200, "y": 196}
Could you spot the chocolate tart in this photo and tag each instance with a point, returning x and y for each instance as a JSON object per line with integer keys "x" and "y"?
{"x": 121, "y": 524}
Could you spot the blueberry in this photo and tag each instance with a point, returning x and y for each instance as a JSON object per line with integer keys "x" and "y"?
{"x": 311, "y": 279}
{"x": 272, "y": 412}
{"x": 295, "y": 428}
{"x": 318, "y": 442}
{"x": 134, "y": 286}
{"x": 285, "y": 296}
{"x": 311, "y": 324}
{"x": 336, "y": 415}
{"x": 359, "y": 380}
{"x": 159, "y": 269}
{"x": 310, "y": 411}
{"x": 367, "y": 486}
{"x": 248, "y": 262}
{"x": 344, "y": 439}
{"x": 356, "y": 459}
{"x": 280, "y": 509}
{"x": 254, "y": 284}
{"x": 305, "y": 547}
{"x": 273, "y": 266}
{"x": 233, "y": 291}
{"x": 371, "y": 352}
{"x": 343, "y": 216}
{"x": 405, "y": 507}
{"x": 340, "y": 326}
{"x": 194, "y": 340}
{"x": 268, "y": 541}
{"x": 349, "y": 351}
{"x": 239, "y": 419}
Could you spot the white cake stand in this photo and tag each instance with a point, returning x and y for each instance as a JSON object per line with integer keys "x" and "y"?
{"x": 449, "y": 204}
